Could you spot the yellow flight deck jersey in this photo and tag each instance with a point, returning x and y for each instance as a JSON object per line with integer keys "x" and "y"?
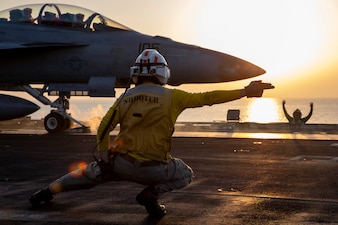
{"x": 147, "y": 114}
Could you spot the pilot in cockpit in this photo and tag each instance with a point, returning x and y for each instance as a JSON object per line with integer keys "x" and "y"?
{"x": 27, "y": 15}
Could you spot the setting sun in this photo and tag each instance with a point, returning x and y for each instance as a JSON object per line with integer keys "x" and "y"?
{"x": 263, "y": 110}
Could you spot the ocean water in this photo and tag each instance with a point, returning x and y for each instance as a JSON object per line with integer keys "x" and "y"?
{"x": 260, "y": 110}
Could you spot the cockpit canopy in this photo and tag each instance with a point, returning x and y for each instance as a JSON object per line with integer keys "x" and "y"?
{"x": 60, "y": 15}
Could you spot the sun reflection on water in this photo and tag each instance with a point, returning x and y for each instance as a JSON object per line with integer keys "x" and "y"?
{"x": 263, "y": 110}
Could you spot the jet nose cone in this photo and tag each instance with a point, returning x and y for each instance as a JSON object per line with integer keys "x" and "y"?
{"x": 233, "y": 68}
{"x": 200, "y": 65}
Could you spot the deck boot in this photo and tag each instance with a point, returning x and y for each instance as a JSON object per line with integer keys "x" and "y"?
{"x": 43, "y": 195}
{"x": 149, "y": 199}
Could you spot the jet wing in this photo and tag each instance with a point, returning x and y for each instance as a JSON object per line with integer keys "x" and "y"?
{"x": 15, "y": 46}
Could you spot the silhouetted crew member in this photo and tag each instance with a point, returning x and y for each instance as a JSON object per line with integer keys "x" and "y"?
{"x": 141, "y": 151}
{"x": 297, "y": 120}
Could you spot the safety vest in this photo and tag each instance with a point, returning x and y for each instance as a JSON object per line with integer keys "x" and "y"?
{"x": 146, "y": 126}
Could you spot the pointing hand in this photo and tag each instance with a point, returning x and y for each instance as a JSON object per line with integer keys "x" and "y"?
{"x": 256, "y": 88}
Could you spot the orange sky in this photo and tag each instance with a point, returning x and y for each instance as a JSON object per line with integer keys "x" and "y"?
{"x": 295, "y": 41}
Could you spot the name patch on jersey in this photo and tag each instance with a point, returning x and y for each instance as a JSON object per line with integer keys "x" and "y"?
{"x": 142, "y": 98}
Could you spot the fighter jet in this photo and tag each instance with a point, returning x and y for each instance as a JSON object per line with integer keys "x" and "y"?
{"x": 63, "y": 50}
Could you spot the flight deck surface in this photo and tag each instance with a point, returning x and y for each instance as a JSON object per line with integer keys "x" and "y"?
{"x": 237, "y": 181}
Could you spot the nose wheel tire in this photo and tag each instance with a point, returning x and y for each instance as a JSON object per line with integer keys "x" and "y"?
{"x": 54, "y": 123}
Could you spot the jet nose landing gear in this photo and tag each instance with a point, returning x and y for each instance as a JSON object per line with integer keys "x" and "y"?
{"x": 57, "y": 120}
{"x": 55, "y": 123}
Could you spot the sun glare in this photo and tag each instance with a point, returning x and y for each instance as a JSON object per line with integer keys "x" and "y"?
{"x": 284, "y": 40}
{"x": 263, "y": 110}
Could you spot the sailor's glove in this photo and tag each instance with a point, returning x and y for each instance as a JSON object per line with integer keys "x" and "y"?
{"x": 256, "y": 88}
{"x": 104, "y": 166}
{"x": 107, "y": 171}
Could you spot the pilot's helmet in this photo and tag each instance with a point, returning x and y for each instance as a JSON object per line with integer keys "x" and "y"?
{"x": 297, "y": 114}
{"x": 150, "y": 63}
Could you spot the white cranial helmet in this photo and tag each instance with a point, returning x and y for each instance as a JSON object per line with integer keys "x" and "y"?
{"x": 150, "y": 63}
